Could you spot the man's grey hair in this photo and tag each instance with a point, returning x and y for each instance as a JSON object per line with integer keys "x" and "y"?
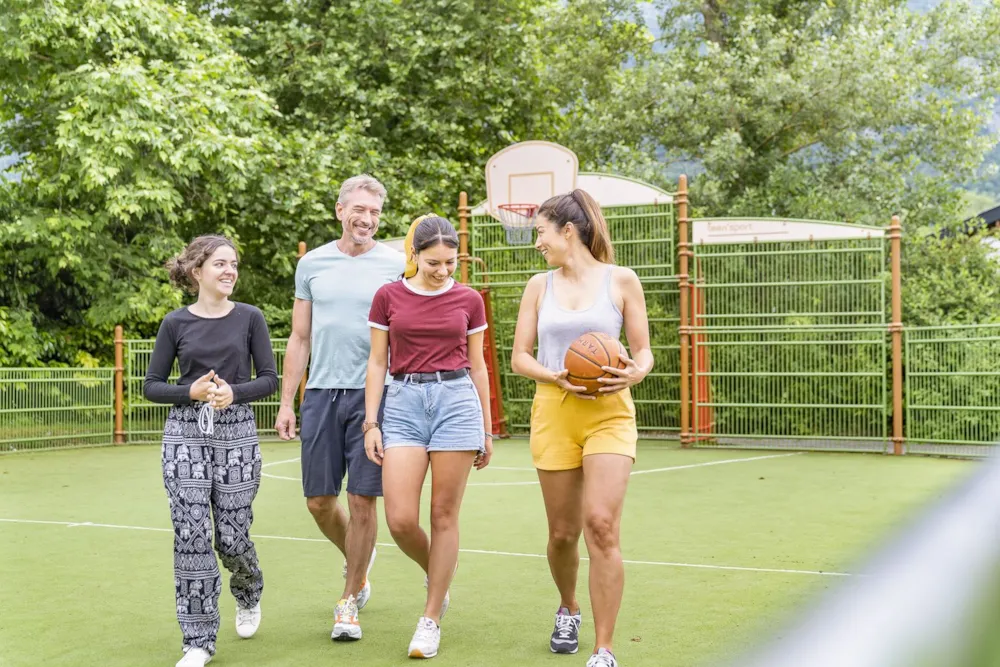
{"x": 361, "y": 182}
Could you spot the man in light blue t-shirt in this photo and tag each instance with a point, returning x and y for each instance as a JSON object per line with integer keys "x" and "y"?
{"x": 334, "y": 287}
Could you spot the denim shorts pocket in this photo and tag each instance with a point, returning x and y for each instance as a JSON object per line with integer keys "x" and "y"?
{"x": 394, "y": 389}
{"x": 460, "y": 384}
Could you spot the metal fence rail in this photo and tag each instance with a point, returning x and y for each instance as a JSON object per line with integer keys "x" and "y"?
{"x": 792, "y": 283}
{"x": 49, "y": 408}
{"x": 145, "y": 420}
{"x": 645, "y": 241}
{"x": 952, "y": 389}
{"x": 815, "y": 387}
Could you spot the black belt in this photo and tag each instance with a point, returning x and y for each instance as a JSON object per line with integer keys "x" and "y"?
{"x": 440, "y": 376}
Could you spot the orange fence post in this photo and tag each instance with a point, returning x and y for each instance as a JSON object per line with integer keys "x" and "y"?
{"x": 119, "y": 434}
{"x": 463, "y": 237}
{"x": 305, "y": 374}
{"x": 701, "y": 387}
{"x": 896, "y": 331}
{"x": 684, "y": 330}
{"x": 493, "y": 369}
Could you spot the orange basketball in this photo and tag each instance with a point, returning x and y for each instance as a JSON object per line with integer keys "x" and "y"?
{"x": 587, "y": 354}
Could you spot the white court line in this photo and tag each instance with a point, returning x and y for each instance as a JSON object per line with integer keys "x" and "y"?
{"x": 276, "y": 463}
{"x": 534, "y": 482}
{"x": 484, "y": 552}
{"x": 717, "y": 463}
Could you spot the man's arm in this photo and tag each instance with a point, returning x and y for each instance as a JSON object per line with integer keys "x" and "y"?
{"x": 296, "y": 359}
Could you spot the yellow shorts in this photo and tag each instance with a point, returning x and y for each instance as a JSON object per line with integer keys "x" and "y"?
{"x": 564, "y": 428}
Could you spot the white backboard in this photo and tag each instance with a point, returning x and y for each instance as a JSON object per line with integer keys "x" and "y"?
{"x": 752, "y": 230}
{"x": 529, "y": 173}
{"x": 609, "y": 190}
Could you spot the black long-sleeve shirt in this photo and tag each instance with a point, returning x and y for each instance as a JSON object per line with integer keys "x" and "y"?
{"x": 223, "y": 344}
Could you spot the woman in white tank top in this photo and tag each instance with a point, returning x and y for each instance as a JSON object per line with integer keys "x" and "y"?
{"x": 583, "y": 446}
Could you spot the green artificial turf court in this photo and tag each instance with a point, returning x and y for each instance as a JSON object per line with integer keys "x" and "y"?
{"x": 721, "y": 548}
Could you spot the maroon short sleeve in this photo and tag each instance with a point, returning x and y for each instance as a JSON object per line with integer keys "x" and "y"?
{"x": 378, "y": 316}
{"x": 477, "y": 313}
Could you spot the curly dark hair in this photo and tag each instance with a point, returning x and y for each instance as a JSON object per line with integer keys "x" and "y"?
{"x": 182, "y": 266}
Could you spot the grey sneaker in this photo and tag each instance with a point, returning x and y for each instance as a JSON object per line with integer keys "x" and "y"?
{"x": 603, "y": 658}
{"x": 566, "y": 635}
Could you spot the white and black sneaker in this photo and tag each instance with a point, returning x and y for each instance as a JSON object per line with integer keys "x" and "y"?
{"x": 603, "y": 658}
{"x": 566, "y": 635}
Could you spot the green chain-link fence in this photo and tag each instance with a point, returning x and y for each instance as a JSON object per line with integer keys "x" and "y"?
{"x": 144, "y": 420}
{"x": 645, "y": 241}
{"x": 47, "y": 408}
{"x": 952, "y": 388}
{"x": 789, "y": 343}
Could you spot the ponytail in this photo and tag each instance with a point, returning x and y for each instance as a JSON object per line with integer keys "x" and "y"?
{"x": 600, "y": 238}
{"x": 584, "y": 212}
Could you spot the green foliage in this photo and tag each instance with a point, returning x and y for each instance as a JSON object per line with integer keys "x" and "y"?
{"x": 143, "y": 124}
{"x": 138, "y": 127}
{"x": 852, "y": 110}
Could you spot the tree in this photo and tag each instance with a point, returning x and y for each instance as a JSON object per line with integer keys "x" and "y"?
{"x": 137, "y": 127}
{"x": 851, "y": 110}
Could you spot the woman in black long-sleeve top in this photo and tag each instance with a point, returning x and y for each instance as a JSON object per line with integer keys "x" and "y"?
{"x": 211, "y": 455}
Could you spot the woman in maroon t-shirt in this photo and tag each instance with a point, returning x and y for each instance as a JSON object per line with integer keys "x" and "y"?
{"x": 437, "y": 409}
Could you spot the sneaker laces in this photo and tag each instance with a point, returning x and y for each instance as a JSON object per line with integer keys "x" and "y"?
{"x": 425, "y": 630}
{"x": 601, "y": 659}
{"x": 565, "y": 625}
{"x": 244, "y": 616}
{"x": 343, "y": 610}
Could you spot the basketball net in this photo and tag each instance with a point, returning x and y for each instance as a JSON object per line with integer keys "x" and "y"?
{"x": 518, "y": 221}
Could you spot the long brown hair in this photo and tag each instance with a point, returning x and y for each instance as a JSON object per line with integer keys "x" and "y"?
{"x": 585, "y": 213}
{"x": 181, "y": 267}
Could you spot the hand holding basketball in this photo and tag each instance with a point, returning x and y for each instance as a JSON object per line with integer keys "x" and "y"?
{"x": 621, "y": 378}
{"x": 562, "y": 380}
{"x": 589, "y": 359}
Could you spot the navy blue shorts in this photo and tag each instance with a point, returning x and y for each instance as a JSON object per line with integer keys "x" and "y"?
{"x": 333, "y": 444}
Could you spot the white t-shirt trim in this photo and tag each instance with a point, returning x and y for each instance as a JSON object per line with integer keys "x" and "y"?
{"x": 423, "y": 292}
{"x": 375, "y": 325}
{"x": 476, "y": 330}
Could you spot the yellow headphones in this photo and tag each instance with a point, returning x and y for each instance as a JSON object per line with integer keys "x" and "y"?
{"x": 411, "y": 260}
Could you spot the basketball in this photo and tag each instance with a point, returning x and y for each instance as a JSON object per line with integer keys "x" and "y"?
{"x": 586, "y": 356}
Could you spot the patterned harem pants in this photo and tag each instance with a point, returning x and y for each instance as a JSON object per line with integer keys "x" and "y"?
{"x": 211, "y": 481}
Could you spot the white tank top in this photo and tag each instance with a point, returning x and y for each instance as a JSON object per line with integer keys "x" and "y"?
{"x": 558, "y": 327}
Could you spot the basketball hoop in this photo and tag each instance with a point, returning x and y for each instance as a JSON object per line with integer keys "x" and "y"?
{"x": 518, "y": 221}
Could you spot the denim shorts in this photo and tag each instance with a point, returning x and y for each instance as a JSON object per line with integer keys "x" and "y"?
{"x": 444, "y": 416}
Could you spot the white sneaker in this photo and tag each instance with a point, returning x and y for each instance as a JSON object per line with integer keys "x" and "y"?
{"x": 366, "y": 589}
{"x": 247, "y": 621}
{"x": 447, "y": 597}
{"x": 603, "y": 658}
{"x": 426, "y": 639}
{"x": 345, "y": 621}
{"x": 195, "y": 657}
{"x": 364, "y": 594}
